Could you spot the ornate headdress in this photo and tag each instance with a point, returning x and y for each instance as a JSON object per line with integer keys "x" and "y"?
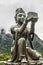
{"x": 19, "y": 10}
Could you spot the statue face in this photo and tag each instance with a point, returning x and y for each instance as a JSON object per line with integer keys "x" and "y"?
{"x": 21, "y": 17}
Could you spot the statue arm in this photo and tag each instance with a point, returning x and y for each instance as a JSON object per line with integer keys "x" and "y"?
{"x": 31, "y": 34}
{"x": 32, "y": 29}
{"x": 23, "y": 26}
{"x": 33, "y": 21}
{"x": 13, "y": 29}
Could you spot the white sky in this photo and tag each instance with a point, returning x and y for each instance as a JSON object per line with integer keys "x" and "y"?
{"x": 7, "y": 12}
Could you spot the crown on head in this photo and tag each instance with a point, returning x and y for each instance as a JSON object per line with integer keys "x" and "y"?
{"x": 19, "y": 10}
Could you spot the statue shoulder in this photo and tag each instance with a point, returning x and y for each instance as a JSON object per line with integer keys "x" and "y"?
{"x": 13, "y": 29}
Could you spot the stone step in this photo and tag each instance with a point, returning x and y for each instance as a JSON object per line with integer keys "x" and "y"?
{"x": 31, "y": 62}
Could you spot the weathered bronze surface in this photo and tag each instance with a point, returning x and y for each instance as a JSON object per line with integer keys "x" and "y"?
{"x": 20, "y": 32}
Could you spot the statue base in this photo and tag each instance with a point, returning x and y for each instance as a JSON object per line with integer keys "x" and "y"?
{"x": 31, "y": 62}
{"x": 18, "y": 63}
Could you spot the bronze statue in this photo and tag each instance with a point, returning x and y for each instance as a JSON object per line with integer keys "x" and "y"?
{"x": 20, "y": 34}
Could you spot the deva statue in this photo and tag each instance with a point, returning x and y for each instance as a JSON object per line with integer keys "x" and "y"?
{"x": 20, "y": 34}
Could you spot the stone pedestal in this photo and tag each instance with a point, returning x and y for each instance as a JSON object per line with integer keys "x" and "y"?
{"x": 31, "y": 62}
{"x": 25, "y": 63}
{"x": 17, "y": 63}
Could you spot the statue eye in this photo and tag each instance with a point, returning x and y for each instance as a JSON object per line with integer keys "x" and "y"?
{"x": 20, "y": 15}
{"x": 24, "y": 15}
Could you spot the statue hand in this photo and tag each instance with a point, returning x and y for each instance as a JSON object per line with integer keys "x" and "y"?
{"x": 34, "y": 19}
{"x": 33, "y": 16}
{"x": 28, "y": 19}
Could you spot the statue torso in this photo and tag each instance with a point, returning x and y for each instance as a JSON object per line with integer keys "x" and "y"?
{"x": 23, "y": 34}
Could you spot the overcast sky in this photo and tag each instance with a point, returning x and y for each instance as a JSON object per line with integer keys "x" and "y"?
{"x": 7, "y": 12}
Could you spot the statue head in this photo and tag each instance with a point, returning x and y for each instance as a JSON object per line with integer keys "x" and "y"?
{"x": 20, "y": 15}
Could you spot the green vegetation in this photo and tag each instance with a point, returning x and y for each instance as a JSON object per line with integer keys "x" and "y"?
{"x": 5, "y": 43}
{"x": 4, "y": 57}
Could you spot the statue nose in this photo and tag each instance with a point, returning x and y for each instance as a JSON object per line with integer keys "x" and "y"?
{"x": 22, "y": 16}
